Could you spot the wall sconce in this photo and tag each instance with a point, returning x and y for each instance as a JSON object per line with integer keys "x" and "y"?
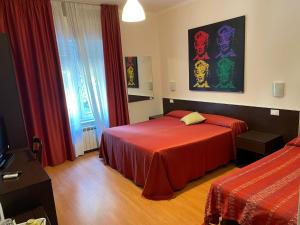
{"x": 172, "y": 86}
{"x": 150, "y": 85}
{"x": 278, "y": 88}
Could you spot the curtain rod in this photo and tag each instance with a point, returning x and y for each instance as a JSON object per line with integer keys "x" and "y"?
{"x": 80, "y": 2}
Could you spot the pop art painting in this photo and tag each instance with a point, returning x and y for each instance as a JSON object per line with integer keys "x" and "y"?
{"x": 132, "y": 75}
{"x": 216, "y": 56}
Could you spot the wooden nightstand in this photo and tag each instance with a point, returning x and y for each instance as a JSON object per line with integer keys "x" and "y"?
{"x": 254, "y": 145}
{"x": 155, "y": 116}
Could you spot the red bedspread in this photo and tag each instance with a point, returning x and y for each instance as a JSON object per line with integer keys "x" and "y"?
{"x": 163, "y": 155}
{"x": 263, "y": 193}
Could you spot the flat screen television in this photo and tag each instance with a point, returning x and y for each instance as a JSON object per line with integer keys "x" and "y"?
{"x": 10, "y": 105}
{"x": 4, "y": 146}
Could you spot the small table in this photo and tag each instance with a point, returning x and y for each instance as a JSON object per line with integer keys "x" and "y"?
{"x": 254, "y": 145}
{"x": 155, "y": 116}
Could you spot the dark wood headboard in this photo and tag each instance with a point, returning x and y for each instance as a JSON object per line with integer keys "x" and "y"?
{"x": 257, "y": 118}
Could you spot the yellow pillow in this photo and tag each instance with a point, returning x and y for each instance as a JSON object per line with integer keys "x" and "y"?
{"x": 192, "y": 118}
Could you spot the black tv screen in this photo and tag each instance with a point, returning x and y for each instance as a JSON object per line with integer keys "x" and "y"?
{"x": 10, "y": 104}
{"x": 3, "y": 138}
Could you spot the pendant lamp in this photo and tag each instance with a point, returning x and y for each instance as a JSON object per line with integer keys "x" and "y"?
{"x": 133, "y": 11}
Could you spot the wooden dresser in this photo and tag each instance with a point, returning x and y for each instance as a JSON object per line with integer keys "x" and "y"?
{"x": 31, "y": 190}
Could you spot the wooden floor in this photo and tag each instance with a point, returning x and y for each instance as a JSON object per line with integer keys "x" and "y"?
{"x": 89, "y": 193}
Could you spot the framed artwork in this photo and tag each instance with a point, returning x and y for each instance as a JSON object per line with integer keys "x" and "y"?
{"x": 216, "y": 56}
{"x": 132, "y": 73}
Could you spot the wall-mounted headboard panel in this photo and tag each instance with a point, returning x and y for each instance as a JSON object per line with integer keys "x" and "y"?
{"x": 257, "y": 118}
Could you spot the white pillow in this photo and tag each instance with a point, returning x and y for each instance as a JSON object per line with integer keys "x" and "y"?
{"x": 192, "y": 118}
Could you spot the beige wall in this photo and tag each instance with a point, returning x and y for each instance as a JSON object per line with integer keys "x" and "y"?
{"x": 272, "y": 49}
{"x": 141, "y": 39}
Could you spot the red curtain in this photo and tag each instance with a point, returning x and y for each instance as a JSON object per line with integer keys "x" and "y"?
{"x": 1, "y": 17}
{"x": 29, "y": 24}
{"x": 114, "y": 72}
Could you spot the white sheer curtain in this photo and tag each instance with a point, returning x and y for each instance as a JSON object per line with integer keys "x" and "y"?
{"x": 78, "y": 32}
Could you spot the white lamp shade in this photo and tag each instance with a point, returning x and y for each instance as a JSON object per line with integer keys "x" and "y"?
{"x": 133, "y": 11}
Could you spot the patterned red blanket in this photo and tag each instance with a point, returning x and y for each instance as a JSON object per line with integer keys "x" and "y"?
{"x": 263, "y": 193}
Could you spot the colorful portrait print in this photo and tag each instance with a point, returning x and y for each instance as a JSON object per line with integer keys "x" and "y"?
{"x": 130, "y": 75}
{"x": 200, "y": 45}
{"x": 225, "y": 69}
{"x": 224, "y": 41}
{"x": 132, "y": 72}
{"x": 200, "y": 72}
{"x": 216, "y": 56}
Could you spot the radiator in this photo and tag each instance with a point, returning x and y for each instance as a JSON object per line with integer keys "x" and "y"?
{"x": 90, "y": 140}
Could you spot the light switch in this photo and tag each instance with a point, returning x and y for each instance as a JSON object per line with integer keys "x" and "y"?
{"x": 275, "y": 112}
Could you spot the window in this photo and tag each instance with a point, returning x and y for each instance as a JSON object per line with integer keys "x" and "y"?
{"x": 79, "y": 39}
{"x": 72, "y": 65}
{"x": 86, "y": 110}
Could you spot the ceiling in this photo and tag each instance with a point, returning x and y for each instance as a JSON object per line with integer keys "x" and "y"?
{"x": 149, "y": 5}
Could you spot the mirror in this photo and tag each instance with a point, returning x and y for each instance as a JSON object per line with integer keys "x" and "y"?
{"x": 138, "y": 71}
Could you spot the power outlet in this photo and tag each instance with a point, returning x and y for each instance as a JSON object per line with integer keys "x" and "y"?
{"x": 172, "y": 101}
{"x": 274, "y": 112}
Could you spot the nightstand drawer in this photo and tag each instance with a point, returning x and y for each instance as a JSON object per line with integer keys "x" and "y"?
{"x": 250, "y": 145}
{"x": 259, "y": 142}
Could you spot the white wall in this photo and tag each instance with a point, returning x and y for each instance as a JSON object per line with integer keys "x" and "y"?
{"x": 141, "y": 39}
{"x": 272, "y": 49}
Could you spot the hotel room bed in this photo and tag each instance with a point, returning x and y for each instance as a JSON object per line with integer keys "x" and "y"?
{"x": 263, "y": 193}
{"x": 163, "y": 155}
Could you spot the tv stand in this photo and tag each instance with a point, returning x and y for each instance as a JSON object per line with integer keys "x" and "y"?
{"x": 5, "y": 158}
{"x": 32, "y": 189}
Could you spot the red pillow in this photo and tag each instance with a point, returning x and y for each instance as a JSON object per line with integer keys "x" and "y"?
{"x": 237, "y": 126}
{"x": 295, "y": 142}
{"x": 178, "y": 113}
